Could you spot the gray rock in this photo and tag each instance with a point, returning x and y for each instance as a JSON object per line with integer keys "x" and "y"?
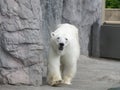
{"x": 9, "y": 62}
{"x": 83, "y": 13}
{"x": 21, "y": 42}
{"x": 35, "y": 74}
{"x": 18, "y": 77}
{"x": 31, "y": 75}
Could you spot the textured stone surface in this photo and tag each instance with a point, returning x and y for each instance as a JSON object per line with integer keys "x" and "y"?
{"x": 112, "y": 14}
{"x": 25, "y": 27}
{"x": 83, "y": 13}
{"x": 21, "y": 57}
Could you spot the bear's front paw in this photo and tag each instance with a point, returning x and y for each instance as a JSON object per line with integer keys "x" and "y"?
{"x": 54, "y": 79}
{"x": 55, "y": 83}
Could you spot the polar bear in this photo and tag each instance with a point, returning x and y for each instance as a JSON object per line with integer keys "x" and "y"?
{"x": 63, "y": 55}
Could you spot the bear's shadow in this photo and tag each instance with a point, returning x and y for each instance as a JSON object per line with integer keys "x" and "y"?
{"x": 116, "y": 88}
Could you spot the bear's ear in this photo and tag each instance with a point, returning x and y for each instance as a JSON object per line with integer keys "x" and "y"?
{"x": 52, "y": 34}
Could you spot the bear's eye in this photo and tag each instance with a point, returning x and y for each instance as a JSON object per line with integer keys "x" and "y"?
{"x": 58, "y": 37}
{"x": 66, "y": 39}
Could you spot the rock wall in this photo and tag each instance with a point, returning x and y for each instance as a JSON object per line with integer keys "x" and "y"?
{"x": 85, "y": 14}
{"x": 25, "y": 27}
{"x": 21, "y": 57}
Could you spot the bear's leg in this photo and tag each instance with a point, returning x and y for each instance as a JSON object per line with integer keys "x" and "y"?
{"x": 54, "y": 73}
{"x": 54, "y": 80}
{"x": 68, "y": 73}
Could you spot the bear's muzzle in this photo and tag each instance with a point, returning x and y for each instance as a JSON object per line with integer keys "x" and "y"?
{"x": 61, "y": 46}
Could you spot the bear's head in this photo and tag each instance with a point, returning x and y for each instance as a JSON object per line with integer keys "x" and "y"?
{"x": 58, "y": 41}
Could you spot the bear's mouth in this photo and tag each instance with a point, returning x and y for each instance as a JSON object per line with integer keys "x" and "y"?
{"x": 60, "y": 47}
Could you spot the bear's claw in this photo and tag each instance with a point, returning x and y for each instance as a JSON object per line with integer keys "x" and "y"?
{"x": 56, "y": 83}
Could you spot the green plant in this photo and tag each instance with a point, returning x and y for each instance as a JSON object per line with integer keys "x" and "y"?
{"x": 112, "y": 4}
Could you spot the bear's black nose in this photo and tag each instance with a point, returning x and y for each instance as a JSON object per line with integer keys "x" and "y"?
{"x": 61, "y": 44}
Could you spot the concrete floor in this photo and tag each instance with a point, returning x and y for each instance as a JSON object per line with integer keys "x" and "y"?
{"x": 92, "y": 74}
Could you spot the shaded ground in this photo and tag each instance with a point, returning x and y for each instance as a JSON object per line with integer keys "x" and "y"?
{"x": 92, "y": 74}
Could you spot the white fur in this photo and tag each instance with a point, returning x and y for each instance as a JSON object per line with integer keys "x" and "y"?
{"x": 62, "y": 64}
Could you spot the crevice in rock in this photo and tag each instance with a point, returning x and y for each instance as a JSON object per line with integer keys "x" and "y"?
{"x": 18, "y": 60}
